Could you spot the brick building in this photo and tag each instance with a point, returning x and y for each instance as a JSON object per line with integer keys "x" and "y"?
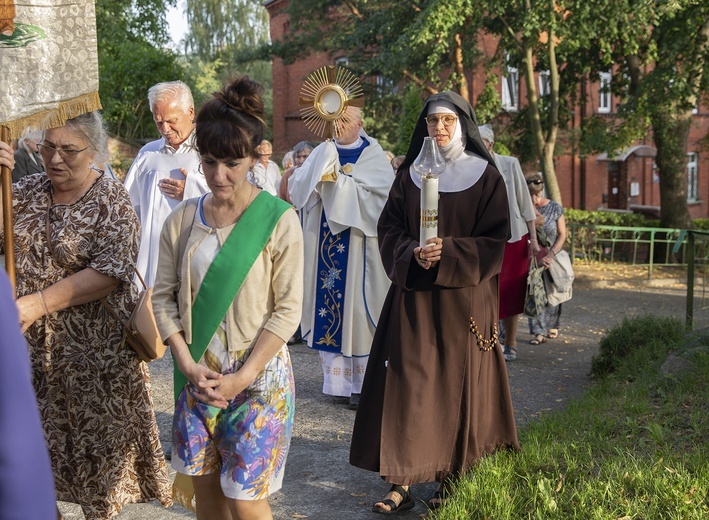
{"x": 626, "y": 180}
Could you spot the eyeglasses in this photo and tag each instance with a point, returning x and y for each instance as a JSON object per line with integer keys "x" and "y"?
{"x": 534, "y": 181}
{"x": 446, "y": 120}
{"x": 68, "y": 154}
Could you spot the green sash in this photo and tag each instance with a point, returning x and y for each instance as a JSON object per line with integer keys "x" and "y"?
{"x": 225, "y": 275}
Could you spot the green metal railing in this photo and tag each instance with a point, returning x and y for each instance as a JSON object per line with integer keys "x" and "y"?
{"x": 693, "y": 242}
{"x": 649, "y": 247}
{"x": 631, "y": 245}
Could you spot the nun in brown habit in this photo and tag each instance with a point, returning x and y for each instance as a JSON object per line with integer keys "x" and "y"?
{"x": 436, "y": 397}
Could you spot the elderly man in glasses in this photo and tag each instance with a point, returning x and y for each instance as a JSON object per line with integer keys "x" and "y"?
{"x": 165, "y": 171}
{"x": 522, "y": 243}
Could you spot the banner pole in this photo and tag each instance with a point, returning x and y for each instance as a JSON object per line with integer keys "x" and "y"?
{"x": 8, "y": 221}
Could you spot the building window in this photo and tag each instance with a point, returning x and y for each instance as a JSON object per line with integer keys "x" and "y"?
{"x": 604, "y": 93}
{"x": 544, "y": 83}
{"x": 342, "y": 61}
{"x": 510, "y": 89}
{"x": 385, "y": 86}
{"x": 692, "y": 177}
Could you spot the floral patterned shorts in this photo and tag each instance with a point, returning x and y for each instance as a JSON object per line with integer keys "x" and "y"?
{"x": 248, "y": 442}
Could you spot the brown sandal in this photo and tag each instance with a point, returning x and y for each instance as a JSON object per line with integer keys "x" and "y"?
{"x": 537, "y": 340}
{"x": 406, "y": 502}
{"x": 440, "y": 496}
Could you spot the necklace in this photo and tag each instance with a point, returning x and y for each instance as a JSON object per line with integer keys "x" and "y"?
{"x": 218, "y": 224}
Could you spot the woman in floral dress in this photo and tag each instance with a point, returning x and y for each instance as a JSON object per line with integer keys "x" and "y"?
{"x": 228, "y": 296}
{"x": 551, "y": 235}
{"x": 76, "y": 239}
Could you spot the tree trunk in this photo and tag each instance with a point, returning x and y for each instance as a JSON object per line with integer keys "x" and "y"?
{"x": 419, "y": 82}
{"x": 552, "y": 183}
{"x": 461, "y": 80}
{"x": 543, "y": 145}
{"x": 670, "y": 134}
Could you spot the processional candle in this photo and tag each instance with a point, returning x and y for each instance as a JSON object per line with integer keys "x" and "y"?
{"x": 429, "y": 165}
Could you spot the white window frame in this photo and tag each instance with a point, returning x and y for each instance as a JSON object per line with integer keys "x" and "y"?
{"x": 544, "y": 83}
{"x": 385, "y": 85}
{"x": 510, "y": 88}
{"x": 692, "y": 177}
{"x": 342, "y": 61}
{"x": 605, "y": 99}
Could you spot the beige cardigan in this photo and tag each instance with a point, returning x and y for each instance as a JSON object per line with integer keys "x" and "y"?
{"x": 271, "y": 296}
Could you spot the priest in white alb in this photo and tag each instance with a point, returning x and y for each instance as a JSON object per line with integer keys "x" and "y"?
{"x": 340, "y": 191}
{"x": 165, "y": 171}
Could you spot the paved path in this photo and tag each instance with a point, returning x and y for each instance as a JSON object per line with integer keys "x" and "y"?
{"x": 319, "y": 482}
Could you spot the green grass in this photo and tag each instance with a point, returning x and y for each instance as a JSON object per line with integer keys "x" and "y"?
{"x": 633, "y": 448}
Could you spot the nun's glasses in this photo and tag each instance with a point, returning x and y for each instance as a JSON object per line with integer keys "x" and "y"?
{"x": 445, "y": 119}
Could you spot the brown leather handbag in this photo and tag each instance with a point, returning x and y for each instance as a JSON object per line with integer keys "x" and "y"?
{"x": 141, "y": 330}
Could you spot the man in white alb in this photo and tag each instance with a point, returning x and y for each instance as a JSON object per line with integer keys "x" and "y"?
{"x": 340, "y": 190}
{"x": 165, "y": 171}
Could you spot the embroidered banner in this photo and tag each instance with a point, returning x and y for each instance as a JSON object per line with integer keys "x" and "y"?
{"x": 49, "y": 60}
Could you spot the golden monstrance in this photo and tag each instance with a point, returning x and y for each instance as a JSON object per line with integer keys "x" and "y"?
{"x": 326, "y": 95}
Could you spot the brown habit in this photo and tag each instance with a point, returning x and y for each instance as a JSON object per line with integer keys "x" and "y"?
{"x": 432, "y": 402}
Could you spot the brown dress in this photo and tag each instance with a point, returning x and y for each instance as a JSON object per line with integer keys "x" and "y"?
{"x": 92, "y": 390}
{"x": 433, "y": 402}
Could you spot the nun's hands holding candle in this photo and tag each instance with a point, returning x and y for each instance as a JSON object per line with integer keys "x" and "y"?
{"x": 430, "y": 255}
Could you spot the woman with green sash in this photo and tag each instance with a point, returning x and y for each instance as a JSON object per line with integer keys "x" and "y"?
{"x": 227, "y": 297}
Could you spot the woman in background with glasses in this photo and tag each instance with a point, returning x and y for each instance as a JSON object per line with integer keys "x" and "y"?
{"x": 551, "y": 235}
{"x": 76, "y": 239}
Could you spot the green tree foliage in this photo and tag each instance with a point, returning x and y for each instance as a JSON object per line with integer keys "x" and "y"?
{"x": 224, "y": 29}
{"x": 407, "y": 122}
{"x": 131, "y": 36}
{"x": 551, "y": 37}
{"x": 425, "y": 42}
{"x": 659, "y": 52}
{"x": 489, "y": 104}
{"x": 204, "y": 77}
{"x": 377, "y": 118}
{"x": 224, "y": 38}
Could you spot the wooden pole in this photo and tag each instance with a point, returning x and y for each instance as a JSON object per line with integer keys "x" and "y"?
{"x": 8, "y": 221}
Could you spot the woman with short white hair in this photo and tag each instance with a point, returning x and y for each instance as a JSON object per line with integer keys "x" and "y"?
{"x": 27, "y": 158}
